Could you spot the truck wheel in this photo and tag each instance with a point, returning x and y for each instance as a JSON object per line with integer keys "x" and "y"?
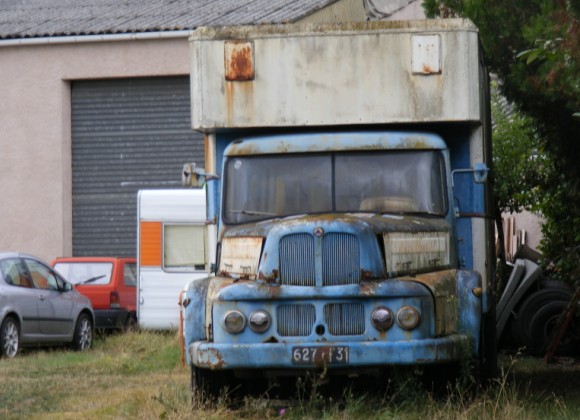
{"x": 207, "y": 384}
{"x": 530, "y": 307}
{"x": 9, "y": 338}
{"x": 542, "y": 329}
{"x": 83, "y": 336}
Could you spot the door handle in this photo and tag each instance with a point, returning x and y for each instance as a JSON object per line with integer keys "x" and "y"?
{"x": 41, "y": 297}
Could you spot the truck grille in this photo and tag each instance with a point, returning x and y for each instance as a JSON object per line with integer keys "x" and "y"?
{"x": 340, "y": 319}
{"x": 297, "y": 260}
{"x": 345, "y": 318}
{"x": 295, "y": 320}
{"x": 340, "y": 259}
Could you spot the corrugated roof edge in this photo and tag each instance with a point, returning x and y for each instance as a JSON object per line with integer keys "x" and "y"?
{"x": 134, "y": 36}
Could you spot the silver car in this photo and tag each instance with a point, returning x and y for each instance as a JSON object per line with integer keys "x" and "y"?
{"x": 39, "y": 307}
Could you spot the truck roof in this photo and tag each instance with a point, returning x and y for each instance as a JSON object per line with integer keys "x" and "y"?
{"x": 320, "y": 142}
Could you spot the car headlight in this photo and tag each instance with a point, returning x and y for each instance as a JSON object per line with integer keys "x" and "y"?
{"x": 415, "y": 252}
{"x": 234, "y": 322}
{"x": 259, "y": 321}
{"x": 382, "y": 318}
{"x": 408, "y": 317}
{"x": 240, "y": 257}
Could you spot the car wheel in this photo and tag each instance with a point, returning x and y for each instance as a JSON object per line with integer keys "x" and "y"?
{"x": 555, "y": 284}
{"x": 530, "y": 307}
{"x": 130, "y": 323}
{"x": 543, "y": 326}
{"x": 83, "y": 337}
{"x": 9, "y": 338}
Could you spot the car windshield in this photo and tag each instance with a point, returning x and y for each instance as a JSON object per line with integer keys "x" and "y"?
{"x": 82, "y": 273}
{"x": 399, "y": 182}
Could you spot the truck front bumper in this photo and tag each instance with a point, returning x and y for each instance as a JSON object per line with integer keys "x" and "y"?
{"x": 208, "y": 355}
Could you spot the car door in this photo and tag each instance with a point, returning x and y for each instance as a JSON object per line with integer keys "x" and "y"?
{"x": 55, "y": 307}
{"x": 20, "y": 295}
{"x": 127, "y": 280}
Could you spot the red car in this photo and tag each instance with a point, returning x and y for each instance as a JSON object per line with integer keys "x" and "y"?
{"x": 110, "y": 284}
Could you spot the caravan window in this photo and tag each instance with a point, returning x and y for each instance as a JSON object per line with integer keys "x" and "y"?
{"x": 184, "y": 247}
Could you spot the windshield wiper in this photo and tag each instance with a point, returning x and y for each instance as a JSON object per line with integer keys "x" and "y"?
{"x": 253, "y": 212}
{"x": 92, "y": 279}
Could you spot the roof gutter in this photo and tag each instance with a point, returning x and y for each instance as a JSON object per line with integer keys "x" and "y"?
{"x": 138, "y": 36}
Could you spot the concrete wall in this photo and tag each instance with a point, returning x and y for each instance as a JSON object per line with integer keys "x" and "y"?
{"x": 35, "y": 133}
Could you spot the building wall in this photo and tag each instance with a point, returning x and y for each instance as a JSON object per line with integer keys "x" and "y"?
{"x": 35, "y": 134}
{"x": 35, "y": 121}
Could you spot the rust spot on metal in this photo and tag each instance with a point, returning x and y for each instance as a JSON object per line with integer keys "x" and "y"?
{"x": 367, "y": 275}
{"x": 427, "y": 69}
{"x": 239, "y": 60}
{"x": 213, "y": 354}
{"x": 368, "y": 288}
{"x": 272, "y": 278}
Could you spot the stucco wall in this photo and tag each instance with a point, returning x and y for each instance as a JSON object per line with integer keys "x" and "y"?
{"x": 35, "y": 134}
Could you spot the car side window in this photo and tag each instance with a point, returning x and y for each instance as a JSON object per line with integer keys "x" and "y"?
{"x": 130, "y": 275}
{"x": 42, "y": 276}
{"x": 14, "y": 272}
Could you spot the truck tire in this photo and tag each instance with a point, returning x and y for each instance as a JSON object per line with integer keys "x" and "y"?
{"x": 206, "y": 384}
{"x": 542, "y": 328}
{"x": 530, "y": 306}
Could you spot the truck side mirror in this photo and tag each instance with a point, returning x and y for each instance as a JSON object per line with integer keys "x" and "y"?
{"x": 194, "y": 177}
{"x": 479, "y": 170}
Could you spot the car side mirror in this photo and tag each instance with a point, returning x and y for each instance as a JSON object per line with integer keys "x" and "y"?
{"x": 67, "y": 287}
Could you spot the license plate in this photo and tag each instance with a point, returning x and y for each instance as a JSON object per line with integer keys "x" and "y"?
{"x": 329, "y": 355}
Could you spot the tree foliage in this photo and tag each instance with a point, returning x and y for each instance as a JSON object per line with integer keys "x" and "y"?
{"x": 519, "y": 162}
{"x": 533, "y": 46}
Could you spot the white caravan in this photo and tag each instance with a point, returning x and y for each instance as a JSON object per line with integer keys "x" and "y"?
{"x": 173, "y": 250}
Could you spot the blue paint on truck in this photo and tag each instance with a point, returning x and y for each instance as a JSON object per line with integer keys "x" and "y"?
{"x": 341, "y": 246}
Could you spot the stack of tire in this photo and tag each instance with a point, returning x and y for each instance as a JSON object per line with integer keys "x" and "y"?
{"x": 536, "y": 318}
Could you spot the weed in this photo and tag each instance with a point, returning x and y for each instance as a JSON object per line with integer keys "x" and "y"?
{"x": 139, "y": 375}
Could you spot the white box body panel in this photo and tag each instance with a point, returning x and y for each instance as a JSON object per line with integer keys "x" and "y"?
{"x": 296, "y": 76}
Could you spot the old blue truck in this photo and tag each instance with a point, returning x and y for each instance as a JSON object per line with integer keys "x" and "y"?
{"x": 347, "y": 181}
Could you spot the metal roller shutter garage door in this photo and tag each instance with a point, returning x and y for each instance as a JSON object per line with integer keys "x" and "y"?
{"x": 127, "y": 135}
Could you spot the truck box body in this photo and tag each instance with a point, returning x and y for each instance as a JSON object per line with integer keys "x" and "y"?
{"x": 346, "y": 169}
{"x": 390, "y": 69}
{"x": 166, "y": 263}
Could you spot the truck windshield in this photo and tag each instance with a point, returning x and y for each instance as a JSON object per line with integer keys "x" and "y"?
{"x": 399, "y": 182}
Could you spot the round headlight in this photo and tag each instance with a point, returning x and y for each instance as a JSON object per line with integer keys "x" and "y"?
{"x": 259, "y": 321}
{"x": 235, "y": 322}
{"x": 382, "y": 318}
{"x": 408, "y": 317}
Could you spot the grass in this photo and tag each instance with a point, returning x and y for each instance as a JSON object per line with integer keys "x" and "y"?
{"x": 139, "y": 375}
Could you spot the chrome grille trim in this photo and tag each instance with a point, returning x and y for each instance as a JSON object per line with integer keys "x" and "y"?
{"x": 295, "y": 320}
{"x": 297, "y": 265}
{"x": 345, "y": 318}
{"x": 340, "y": 259}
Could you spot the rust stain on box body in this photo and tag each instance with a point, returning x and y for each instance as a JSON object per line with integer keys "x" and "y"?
{"x": 239, "y": 60}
